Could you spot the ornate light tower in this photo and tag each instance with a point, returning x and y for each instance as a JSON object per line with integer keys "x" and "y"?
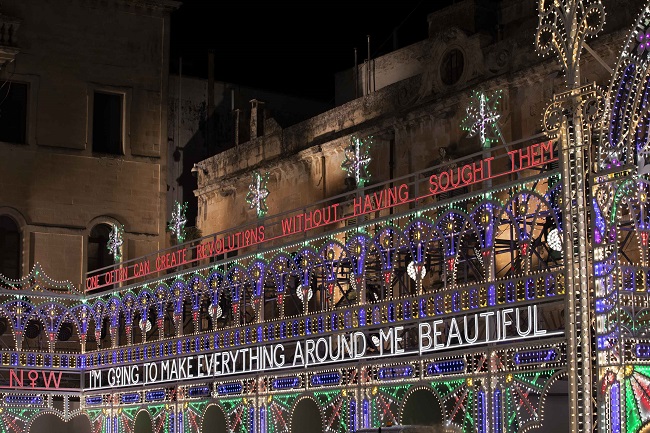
{"x": 563, "y": 27}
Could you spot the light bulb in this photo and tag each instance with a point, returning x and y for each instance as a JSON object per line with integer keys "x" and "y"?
{"x": 413, "y": 269}
{"x": 554, "y": 240}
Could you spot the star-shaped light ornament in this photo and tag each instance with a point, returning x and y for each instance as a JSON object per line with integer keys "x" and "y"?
{"x": 257, "y": 193}
{"x": 482, "y": 117}
{"x": 357, "y": 159}
{"x": 115, "y": 242}
{"x": 178, "y": 221}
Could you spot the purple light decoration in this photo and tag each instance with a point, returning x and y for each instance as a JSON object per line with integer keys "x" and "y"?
{"x": 643, "y": 37}
{"x": 263, "y": 419}
{"x": 352, "y": 415}
{"x": 614, "y": 396}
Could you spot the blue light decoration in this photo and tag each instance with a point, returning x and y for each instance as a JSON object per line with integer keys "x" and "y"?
{"x": 130, "y": 398}
{"x": 94, "y": 400}
{"x": 199, "y": 391}
{"x": 257, "y": 193}
{"x": 352, "y": 415}
{"x": 24, "y": 400}
{"x": 325, "y": 379}
{"x": 446, "y": 367}
{"x": 393, "y": 373}
{"x": 286, "y": 382}
{"x": 615, "y": 156}
{"x": 642, "y": 350}
{"x": 615, "y": 398}
{"x": 497, "y": 407}
{"x": 481, "y": 412}
{"x": 230, "y": 388}
{"x": 535, "y": 356}
{"x": 155, "y": 395}
{"x": 366, "y": 413}
{"x": 178, "y": 221}
{"x": 357, "y": 159}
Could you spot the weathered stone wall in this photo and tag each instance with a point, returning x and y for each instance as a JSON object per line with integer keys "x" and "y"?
{"x": 55, "y": 185}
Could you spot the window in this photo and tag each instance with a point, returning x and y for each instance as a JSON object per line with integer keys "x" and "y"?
{"x": 13, "y": 112}
{"x": 9, "y": 248}
{"x": 98, "y": 254}
{"x": 107, "y": 123}
{"x": 451, "y": 68}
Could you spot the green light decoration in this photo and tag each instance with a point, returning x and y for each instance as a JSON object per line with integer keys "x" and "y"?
{"x": 482, "y": 117}
{"x": 178, "y": 221}
{"x": 257, "y": 193}
{"x": 115, "y": 242}
{"x": 357, "y": 159}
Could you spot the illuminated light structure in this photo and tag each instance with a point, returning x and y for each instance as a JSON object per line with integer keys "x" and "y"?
{"x": 115, "y": 241}
{"x": 258, "y": 193}
{"x": 345, "y": 351}
{"x": 357, "y": 159}
{"x": 482, "y": 117}
{"x": 620, "y": 207}
{"x": 178, "y": 221}
{"x": 411, "y": 301}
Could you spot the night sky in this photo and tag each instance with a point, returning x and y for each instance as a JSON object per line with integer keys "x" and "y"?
{"x": 290, "y": 47}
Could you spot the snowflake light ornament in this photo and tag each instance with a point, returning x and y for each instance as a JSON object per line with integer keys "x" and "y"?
{"x": 257, "y": 193}
{"x": 357, "y": 159}
{"x": 115, "y": 242}
{"x": 482, "y": 117}
{"x": 178, "y": 221}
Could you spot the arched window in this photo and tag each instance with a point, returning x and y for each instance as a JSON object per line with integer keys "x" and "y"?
{"x": 98, "y": 254}
{"x": 9, "y": 248}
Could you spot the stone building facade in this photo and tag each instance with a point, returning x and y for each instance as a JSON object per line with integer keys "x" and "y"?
{"x": 84, "y": 100}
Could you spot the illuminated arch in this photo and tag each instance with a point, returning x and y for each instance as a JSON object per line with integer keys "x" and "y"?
{"x": 422, "y": 412}
{"x": 208, "y": 420}
{"x": 51, "y": 418}
{"x": 310, "y": 408}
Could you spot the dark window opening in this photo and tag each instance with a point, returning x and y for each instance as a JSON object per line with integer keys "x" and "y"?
{"x": 452, "y": 66}
{"x": 9, "y": 248}
{"x": 98, "y": 254}
{"x": 13, "y": 112}
{"x": 107, "y": 123}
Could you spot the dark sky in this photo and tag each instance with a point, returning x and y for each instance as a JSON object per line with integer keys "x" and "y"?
{"x": 291, "y": 47}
